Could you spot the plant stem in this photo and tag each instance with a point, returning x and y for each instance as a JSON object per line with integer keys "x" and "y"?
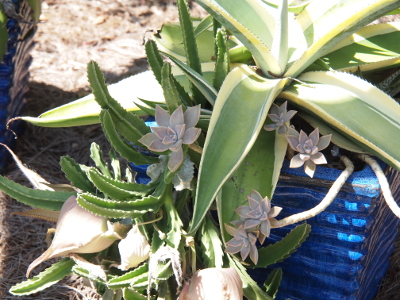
{"x": 196, "y": 148}
{"x": 387, "y": 194}
{"x": 328, "y": 199}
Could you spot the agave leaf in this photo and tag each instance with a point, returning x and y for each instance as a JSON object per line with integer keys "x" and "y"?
{"x": 296, "y": 9}
{"x": 241, "y": 87}
{"x": 371, "y": 48}
{"x": 280, "y": 42}
{"x": 115, "y": 164}
{"x": 254, "y": 173}
{"x": 86, "y": 111}
{"x": 337, "y": 138}
{"x": 347, "y": 103}
{"x": 43, "y": 280}
{"x": 170, "y": 40}
{"x": 37, "y": 198}
{"x": 282, "y": 249}
{"x": 255, "y": 28}
{"x": 327, "y": 23}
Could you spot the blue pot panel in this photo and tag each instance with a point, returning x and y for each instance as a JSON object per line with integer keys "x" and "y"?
{"x": 347, "y": 252}
{"x": 14, "y": 76}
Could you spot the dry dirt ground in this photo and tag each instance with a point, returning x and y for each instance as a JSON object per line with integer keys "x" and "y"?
{"x": 71, "y": 33}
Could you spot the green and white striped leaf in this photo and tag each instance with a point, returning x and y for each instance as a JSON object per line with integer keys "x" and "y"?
{"x": 337, "y": 138}
{"x": 371, "y": 48}
{"x": 258, "y": 171}
{"x": 350, "y": 105}
{"x": 86, "y": 111}
{"x": 232, "y": 132}
{"x": 327, "y": 23}
{"x": 255, "y": 28}
{"x": 45, "y": 279}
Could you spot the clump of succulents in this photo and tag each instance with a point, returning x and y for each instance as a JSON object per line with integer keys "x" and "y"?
{"x": 221, "y": 107}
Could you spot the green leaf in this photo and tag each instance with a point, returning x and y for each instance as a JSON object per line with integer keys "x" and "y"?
{"x": 82, "y": 272}
{"x": 116, "y": 166}
{"x": 97, "y": 156}
{"x": 273, "y": 281}
{"x": 156, "y": 64}
{"x": 45, "y": 279}
{"x": 170, "y": 92}
{"x": 118, "y": 189}
{"x": 190, "y": 46}
{"x": 128, "y": 124}
{"x": 211, "y": 244}
{"x": 198, "y": 80}
{"x": 122, "y": 147}
{"x": 75, "y": 174}
{"x": 129, "y": 278}
{"x": 222, "y": 65}
{"x": 3, "y": 32}
{"x": 36, "y": 198}
{"x": 250, "y": 287}
{"x": 154, "y": 59}
{"x": 204, "y": 24}
{"x": 282, "y": 249}
{"x": 242, "y": 86}
{"x": 349, "y": 105}
{"x": 119, "y": 208}
{"x": 131, "y": 294}
{"x": 258, "y": 171}
{"x": 188, "y": 37}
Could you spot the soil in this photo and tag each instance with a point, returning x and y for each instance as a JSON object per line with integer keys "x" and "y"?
{"x": 70, "y": 34}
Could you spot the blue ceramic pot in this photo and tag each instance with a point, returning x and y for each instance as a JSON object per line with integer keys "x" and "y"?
{"x": 348, "y": 250}
{"x": 14, "y": 75}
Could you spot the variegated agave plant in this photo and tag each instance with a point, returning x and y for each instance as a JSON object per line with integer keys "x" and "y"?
{"x": 221, "y": 108}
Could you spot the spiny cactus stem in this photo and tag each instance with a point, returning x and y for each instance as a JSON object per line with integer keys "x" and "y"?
{"x": 196, "y": 148}
{"x": 387, "y": 194}
{"x": 328, "y": 199}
